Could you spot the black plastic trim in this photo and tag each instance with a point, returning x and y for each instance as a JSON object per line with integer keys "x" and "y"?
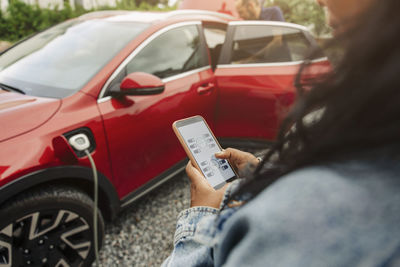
{"x": 203, "y": 45}
{"x": 226, "y": 49}
{"x": 153, "y": 184}
{"x": 139, "y": 91}
{"x": 245, "y": 143}
{"x": 73, "y": 174}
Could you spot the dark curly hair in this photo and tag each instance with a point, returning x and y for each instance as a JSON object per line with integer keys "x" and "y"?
{"x": 358, "y": 103}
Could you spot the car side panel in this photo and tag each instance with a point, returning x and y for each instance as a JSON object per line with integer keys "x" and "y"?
{"x": 266, "y": 94}
{"x": 253, "y": 100}
{"x": 35, "y": 150}
{"x": 139, "y": 129}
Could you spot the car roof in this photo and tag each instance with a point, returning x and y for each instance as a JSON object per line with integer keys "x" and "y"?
{"x": 153, "y": 16}
{"x": 223, "y": 6}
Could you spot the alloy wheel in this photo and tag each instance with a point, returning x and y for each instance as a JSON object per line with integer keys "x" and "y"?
{"x": 58, "y": 238}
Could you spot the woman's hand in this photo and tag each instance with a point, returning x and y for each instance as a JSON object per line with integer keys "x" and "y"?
{"x": 238, "y": 159}
{"x": 201, "y": 192}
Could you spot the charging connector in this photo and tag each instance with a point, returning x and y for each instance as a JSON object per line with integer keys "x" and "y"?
{"x": 80, "y": 142}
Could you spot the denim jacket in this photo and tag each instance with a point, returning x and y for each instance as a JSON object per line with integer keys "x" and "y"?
{"x": 337, "y": 215}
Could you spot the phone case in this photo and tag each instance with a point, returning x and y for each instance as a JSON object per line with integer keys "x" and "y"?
{"x": 186, "y": 148}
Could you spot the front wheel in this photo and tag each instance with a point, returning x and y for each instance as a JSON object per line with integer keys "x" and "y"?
{"x": 48, "y": 227}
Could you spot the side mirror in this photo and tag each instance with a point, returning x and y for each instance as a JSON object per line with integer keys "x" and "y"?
{"x": 139, "y": 83}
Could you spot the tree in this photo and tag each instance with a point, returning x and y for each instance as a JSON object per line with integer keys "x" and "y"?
{"x": 304, "y": 12}
{"x": 150, "y": 2}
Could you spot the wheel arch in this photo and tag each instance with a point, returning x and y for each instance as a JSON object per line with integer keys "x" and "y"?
{"x": 76, "y": 176}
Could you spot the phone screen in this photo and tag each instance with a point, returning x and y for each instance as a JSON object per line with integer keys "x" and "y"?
{"x": 203, "y": 147}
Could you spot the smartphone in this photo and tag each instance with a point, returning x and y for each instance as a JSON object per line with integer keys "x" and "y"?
{"x": 201, "y": 145}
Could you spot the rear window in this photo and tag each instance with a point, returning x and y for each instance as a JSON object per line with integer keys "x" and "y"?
{"x": 268, "y": 44}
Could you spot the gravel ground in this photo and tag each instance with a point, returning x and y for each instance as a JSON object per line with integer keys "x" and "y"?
{"x": 142, "y": 235}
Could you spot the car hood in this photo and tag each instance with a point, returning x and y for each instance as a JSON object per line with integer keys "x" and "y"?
{"x": 21, "y": 113}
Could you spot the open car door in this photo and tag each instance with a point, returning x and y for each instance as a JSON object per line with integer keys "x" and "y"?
{"x": 255, "y": 75}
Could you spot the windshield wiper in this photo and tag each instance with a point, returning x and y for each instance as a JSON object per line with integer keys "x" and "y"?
{"x": 10, "y": 88}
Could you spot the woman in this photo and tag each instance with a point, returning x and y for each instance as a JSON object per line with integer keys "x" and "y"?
{"x": 328, "y": 192}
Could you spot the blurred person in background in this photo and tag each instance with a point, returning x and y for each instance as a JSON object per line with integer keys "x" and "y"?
{"x": 328, "y": 191}
{"x": 253, "y": 10}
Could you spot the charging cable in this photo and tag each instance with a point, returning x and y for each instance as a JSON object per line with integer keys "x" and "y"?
{"x": 81, "y": 142}
{"x": 96, "y": 200}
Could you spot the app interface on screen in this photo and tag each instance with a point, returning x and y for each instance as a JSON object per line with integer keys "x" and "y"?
{"x": 203, "y": 147}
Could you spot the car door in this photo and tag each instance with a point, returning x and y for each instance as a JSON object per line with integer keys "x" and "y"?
{"x": 255, "y": 76}
{"x": 141, "y": 142}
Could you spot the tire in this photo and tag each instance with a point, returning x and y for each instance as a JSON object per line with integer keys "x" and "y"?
{"x": 48, "y": 227}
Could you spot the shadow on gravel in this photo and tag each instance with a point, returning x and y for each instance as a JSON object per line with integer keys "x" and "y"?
{"x": 142, "y": 235}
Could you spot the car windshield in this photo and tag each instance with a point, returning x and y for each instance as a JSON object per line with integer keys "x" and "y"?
{"x": 61, "y": 60}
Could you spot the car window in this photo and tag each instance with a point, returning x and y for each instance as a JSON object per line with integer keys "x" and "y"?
{"x": 298, "y": 45}
{"x": 214, "y": 36}
{"x": 173, "y": 52}
{"x": 268, "y": 44}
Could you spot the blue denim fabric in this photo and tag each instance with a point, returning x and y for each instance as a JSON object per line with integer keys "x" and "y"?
{"x": 336, "y": 215}
{"x": 272, "y": 13}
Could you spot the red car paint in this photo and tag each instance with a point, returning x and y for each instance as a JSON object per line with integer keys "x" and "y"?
{"x": 141, "y": 80}
{"x": 265, "y": 99}
{"x": 13, "y": 106}
{"x": 133, "y": 135}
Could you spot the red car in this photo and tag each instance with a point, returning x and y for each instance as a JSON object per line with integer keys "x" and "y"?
{"x": 122, "y": 79}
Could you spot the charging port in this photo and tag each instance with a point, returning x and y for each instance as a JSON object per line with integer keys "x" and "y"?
{"x": 80, "y": 140}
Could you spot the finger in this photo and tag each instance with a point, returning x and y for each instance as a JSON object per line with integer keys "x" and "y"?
{"x": 224, "y": 154}
{"x": 194, "y": 174}
{"x": 197, "y": 178}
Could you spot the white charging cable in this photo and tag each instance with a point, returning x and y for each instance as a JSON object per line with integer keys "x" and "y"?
{"x": 96, "y": 200}
{"x": 81, "y": 142}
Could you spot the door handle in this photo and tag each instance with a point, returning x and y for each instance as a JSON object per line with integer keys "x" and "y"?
{"x": 205, "y": 88}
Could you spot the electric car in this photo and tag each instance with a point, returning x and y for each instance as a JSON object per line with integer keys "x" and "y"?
{"x": 120, "y": 79}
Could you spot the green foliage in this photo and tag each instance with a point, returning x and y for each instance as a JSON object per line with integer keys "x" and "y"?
{"x": 304, "y": 12}
{"x": 142, "y": 5}
{"x": 21, "y": 20}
